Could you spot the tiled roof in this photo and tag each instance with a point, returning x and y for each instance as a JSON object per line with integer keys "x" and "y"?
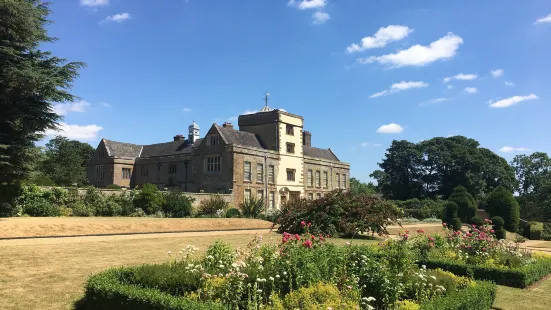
{"x": 319, "y": 153}
{"x": 242, "y": 138}
{"x": 168, "y": 148}
{"x": 120, "y": 149}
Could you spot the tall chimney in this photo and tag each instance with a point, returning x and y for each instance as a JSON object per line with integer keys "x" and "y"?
{"x": 179, "y": 138}
{"x": 306, "y": 138}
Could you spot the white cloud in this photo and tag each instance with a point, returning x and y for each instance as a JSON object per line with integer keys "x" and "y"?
{"x": 511, "y": 101}
{"x": 419, "y": 55}
{"x": 94, "y": 3}
{"x": 510, "y": 149}
{"x": 461, "y": 77}
{"x": 65, "y": 108}
{"x": 390, "y": 128}
{"x": 450, "y": 87}
{"x": 397, "y": 87}
{"x": 319, "y": 18}
{"x": 75, "y": 132}
{"x": 381, "y": 38}
{"x": 118, "y": 18}
{"x": 434, "y": 101}
{"x": 307, "y": 4}
{"x": 546, "y": 19}
{"x": 105, "y": 104}
{"x": 510, "y": 84}
{"x": 186, "y": 109}
{"x": 365, "y": 144}
{"x": 471, "y": 90}
{"x": 497, "y": 73}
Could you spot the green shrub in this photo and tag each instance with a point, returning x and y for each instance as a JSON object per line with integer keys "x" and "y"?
{"x": 43, "y": 180}
{"x": 110, "y": 208}
{"x": 501, "y": 202}
{"x": 126, "y": 201}
{"x": 500, "y": 234}
{"x": 107, "y": 290}
{"x": 456, "y": 223}
{"x": 535, "y": 230}
{"x": 498, "y": 222}
{"x": 252, "y": 207}
{"x": 10, "y": 209}
{"x": 421, "y": 209}
{"x": 233, "y": 212}
{"x": 93, "y": 199}
{"x": 178, "y": 205}
{"x": 432, "y": 220}
{"x": 149, "y": 198}
{"x": 466, "y": 204}
{"x": 477, "y": 220}
{"x": 212, "y": 205}
{"x": 320, "y": 296}
{"x": 81, "y": 209}
{"x": 478, "y": 297}
{"x": 450, "y": 212}
{"x": 113, "y": 186}
{"x": 172, "y": 278}
{"x": 33, "y": 202}
{"x": 56, "y": 196}
{"x": 9, "y": 192}
{"x": 219, "y": 257}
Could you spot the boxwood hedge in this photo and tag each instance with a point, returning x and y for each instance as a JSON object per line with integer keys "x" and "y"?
{"x": 478, "y": 297}
{"x": 519, "y": 277}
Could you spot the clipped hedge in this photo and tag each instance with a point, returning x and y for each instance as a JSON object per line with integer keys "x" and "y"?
{"x": 534, "y": 230}
{"x": 519, "y": 277}
{"x": 478, "y": 297}
{"x": 108, "y": 290}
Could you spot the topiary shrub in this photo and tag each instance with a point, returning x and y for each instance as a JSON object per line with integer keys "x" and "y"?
{"x": 466, "y": 204}
{"x": 233, "y": 213}
{"x": 477, "y": 220}
{"x": 252, "y": 207}
{"x": 177, "y": 204}
{"x": 501, "y": 202}
{"x": 456, "y": 223}
{"x": 210, "y": 206}
{"x": 149, "y": 198}
{"x": 113, "y": 186}
{"x": 499, "y": 231}
{"x": 535, "y": 230}
{"x": 450, "y": 212}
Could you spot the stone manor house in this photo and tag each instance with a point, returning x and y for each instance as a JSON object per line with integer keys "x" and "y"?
{"x": 270, "y": 156}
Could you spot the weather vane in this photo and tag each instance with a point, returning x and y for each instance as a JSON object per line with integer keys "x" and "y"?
{"x": 266, "y": 95}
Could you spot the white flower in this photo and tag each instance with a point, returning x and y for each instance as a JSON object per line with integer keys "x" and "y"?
{"x": 433, "y": 277}
{"x": 259, "y": 291}
{"x": 371, "y": 298}
{"x": 285, "y": 273}
{"x": 271, "y": 278}
{"x": 169, "y": 252}
{"x": 277, "y": 276}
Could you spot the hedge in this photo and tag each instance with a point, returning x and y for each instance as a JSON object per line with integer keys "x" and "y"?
{"x": 533, "y": 230}
{"x": 519, "y": 277}
{"x": 478, "y": 297}
{"x": 107, "y": 291}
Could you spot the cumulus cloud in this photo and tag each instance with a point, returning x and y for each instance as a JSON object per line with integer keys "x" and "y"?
{"x": 505, "y": 103}
{"x": 510, "y": 84}
{"x": 461, "y": 77}
{"x": 397, "y": 87}
{"x": 381, "y": 38}
{"x": 94, "y": 3}
{"x": 186, "y": 109}
{"x": 117, "y": 18}
{"x": 75, "y": 132}
{"x": 546, "y": 19}
{"x": 307, "y": 4}
{"x": 471, "y": 90}
{"x": 390, "y": 128}
{"x": 497, "y": 73}
{"x": 420, "y": 55}
{"x": 64, "y": 108}
{"x": 319, "y": 18}
{"x": 510, "y": 149}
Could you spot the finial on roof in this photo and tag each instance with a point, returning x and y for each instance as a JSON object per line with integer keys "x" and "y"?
{"x": 266, "y": 108}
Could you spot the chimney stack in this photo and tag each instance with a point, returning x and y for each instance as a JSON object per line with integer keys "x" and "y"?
{"x": 227, "y": 125}
{"x": 306, "y": 138}
{"x": 179, "y": 138}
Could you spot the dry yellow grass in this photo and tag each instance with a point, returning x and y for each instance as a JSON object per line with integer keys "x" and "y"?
{"x": 50, "y": 273}
{"x": 70, "y": 226}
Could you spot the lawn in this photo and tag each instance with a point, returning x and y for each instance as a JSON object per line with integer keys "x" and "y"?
{"x": 535, "y": 298}
{"x": 50, "y": 273}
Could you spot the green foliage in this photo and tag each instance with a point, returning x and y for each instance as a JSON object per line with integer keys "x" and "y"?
{"x": 359, "y": 188}
{"x": 498, "y": 222}
{"x": 501, "y": 234}
{"x": 478, "y": 297}
{"x": 219, "y": 257}
{"x": 252, "y": 207}
{"x": 149, "y": 198}
{"x": 113, "y": 186}
{"x": 531, "y": 171}
{"x": 172, "y": 278}
{"x": 93, "y": 199}
{"x": 456, "y": 223}
{"x": 66, "y": 161}
{"x": 502, "y": 203}
{"x": 8, "y": 199}
{"x": 34, "y": 202}
{"x": 320, "y": 296}
{"x": 109, "y": 208}
{"x": 43, "y": 180}
{"x": 465, "y": 202}
{"x": 535, "y": 230}
{"x": 450, "y": 212}
{"x": 477, "y": 220}
{"x": 212, "y": 205}
{"x": 81, "y": 209}
{"x": 339, "y": 213}
{"x": 421, "y": 209}
{"x": 176, "y": 204}
{"x": 233, "y": 212}
{"x": 32, "y": 80}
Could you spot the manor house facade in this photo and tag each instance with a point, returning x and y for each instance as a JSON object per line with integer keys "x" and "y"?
{"x": 270, "y": 156}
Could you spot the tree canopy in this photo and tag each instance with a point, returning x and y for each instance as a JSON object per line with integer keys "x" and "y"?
{"x": 433, "y": 168}
{"x": 66, "y": 161}
{"x": 357, "y": 187}
{"x": 31, "y": 79}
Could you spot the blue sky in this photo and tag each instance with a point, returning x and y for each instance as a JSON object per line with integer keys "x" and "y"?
{"x": 361, "y": 73}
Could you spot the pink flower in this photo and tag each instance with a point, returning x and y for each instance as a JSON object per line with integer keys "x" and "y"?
{"x": 313, "y": 237}
{"x": 321, "y": 238}
{"x": 347, "y": 243}
{"x": 307, "y": 244}
{"x": 421, "y": 231}
{"x": 303, "y": 223}
{"x": 483, "y": 249}
{"x": 297, "y": 237}
{"x": 492, "y": 231}
{"x": 444, "y": 224}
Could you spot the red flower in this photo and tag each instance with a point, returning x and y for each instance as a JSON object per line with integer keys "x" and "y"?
{"x": 313, "y": 237}
{"x": 307, "y": 244}
{"x": 321, "y": 238}
{"x": 473, "y": 225}
{"x": 421, "y": 231}
{"x": 407, "y": 231}
{"x": 297, "y": 237}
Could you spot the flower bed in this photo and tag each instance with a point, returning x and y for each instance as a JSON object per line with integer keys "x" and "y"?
{"x": 302, "y": 272}
{"x": 477, "y": 253}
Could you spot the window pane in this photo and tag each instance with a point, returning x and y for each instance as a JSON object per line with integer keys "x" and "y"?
{"x": 272, "y": 200}
{"x": 310, "y": 178}
{"x": 271, "y": 177}
{"x": 247, "y": 171}
{"x": 259, "y": 173}
{"x": 317, "y": 179}
{"x": 325, "y": 180}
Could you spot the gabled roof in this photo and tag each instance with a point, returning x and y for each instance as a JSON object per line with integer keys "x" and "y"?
{"x": 236, "y": 137}
{"x": 319, "y": 153}
{"x": 120, "y": 149}
{"x": 168, "y": 148}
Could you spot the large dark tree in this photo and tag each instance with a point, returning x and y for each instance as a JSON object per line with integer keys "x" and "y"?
{"x": 433, "y": 168}
{"x": 531, "y": 171}
{"x": 30, "y": 81}
{"x": 66, "y": 161}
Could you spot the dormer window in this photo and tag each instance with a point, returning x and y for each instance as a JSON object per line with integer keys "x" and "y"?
{"x": 290, "y": 130}
{"x": 213, "y": 140}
